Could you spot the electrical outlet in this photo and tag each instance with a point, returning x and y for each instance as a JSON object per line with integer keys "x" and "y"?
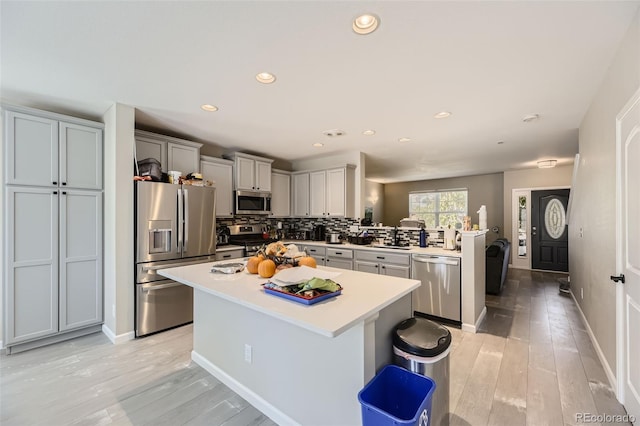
{"x": 113, "y": 311}
{"x": 581, "y": 232}
{"x": 568, "y": 278}
{"x": 582, "y": 293}
{"x": 247, "y": 353}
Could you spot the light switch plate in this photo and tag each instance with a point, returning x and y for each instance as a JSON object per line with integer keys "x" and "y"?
{"x": 354, "y": 228}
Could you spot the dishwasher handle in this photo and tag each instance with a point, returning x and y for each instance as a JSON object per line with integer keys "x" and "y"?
{"x": 437, "y": 260}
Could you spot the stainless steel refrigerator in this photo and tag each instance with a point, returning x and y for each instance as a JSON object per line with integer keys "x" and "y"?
{"x": 175, "y": 225}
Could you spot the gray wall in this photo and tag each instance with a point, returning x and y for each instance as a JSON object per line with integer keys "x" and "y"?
{"x": 592, "y": 258}
{"x": 483, "y": 189}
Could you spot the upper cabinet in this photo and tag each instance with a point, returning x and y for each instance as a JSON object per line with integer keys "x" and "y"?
{"x": 172, "y": 153}
{"x": 44, "y": 150}
{"x": 219, "y": 171}
{"x": 252, "y": 173}
{"x": 324, "y": 193}
{"x": 280, "y": 193}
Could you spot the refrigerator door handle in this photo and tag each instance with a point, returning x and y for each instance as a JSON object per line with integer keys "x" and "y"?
{"x": 180, "y": 222}
{"x": 186, "y": 221}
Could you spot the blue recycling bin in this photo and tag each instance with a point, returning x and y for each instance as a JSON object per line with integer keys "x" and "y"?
{"x": 396, "y": 396}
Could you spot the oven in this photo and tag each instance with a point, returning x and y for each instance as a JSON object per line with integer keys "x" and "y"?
{"x": 252, "y": 202}
{"x": 250, "y": 236}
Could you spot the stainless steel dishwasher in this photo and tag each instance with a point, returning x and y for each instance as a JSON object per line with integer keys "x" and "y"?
{"x": 439, "y": 296}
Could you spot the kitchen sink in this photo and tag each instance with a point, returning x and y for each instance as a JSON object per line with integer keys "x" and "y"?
{"x": 388, "y": 246}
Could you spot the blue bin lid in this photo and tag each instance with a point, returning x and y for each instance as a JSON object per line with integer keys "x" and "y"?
{"x": 421, "y": 337}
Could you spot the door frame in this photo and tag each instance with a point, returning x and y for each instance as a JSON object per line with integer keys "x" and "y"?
{"x": 514, "y": 222}
{"x": 621, "y": 359}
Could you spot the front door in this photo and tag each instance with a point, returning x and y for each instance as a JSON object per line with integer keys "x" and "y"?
{"x": 628, "y": 254}
{"x": 549, "y": 233}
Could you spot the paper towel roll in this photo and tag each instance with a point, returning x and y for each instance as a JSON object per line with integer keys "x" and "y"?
{"x": 450, "y": 239}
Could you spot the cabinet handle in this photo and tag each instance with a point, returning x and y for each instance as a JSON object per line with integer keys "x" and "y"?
{"x": 226, "y": 256}
{"x": 55, "y": 192}
{"x": 380, "y": 257}
{"x": 64, "y": 192}
{"x": 55, "y": 183}
{"x": 64, "y": 183}
{"x": 384, "y": 267}
{"x": 339, "y": 252}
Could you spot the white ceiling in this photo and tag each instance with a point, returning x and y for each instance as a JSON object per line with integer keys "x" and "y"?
{"x": 489, "y": 63}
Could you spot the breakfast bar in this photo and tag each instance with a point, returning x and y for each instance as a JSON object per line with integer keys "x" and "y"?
{"x": 298, "y": 364}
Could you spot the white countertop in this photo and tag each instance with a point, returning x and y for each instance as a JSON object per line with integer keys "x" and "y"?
{"x": 363, "y": 295}
{"x": 437, "y": 251}
{"x": 228, "y": 247}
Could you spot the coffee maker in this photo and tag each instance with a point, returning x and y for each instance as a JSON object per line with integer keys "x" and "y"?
{"x": 319, "y": 233}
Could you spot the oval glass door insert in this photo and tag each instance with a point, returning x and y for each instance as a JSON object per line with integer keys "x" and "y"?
{"x": 555, "y": 219}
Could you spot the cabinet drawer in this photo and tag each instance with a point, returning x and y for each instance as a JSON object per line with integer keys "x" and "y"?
{"x": 230, "y": 254}
{"x": 333, "y": 252}
{"x": 315, "y": 250}
{"x": 383, "y": 257}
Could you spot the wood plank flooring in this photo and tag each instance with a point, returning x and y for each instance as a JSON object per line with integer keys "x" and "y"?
{"x": 532, "y": 363}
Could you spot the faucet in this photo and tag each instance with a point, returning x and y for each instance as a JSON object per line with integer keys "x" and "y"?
{"x": 396, "y": 237}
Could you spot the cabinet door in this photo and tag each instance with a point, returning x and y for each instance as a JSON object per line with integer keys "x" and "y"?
{"x": 335, "y": 202}
{"x": 231, "y": 254}
{"x": 317, "y": 194}
{"x": 395, "y": 270}
{"x": 300, "y": 194}
{"x": 222, "y": 175}
{"x": 31, "y": 153}
{"x": 151, "y": 148}
{"x": 80, "y": 258}
{"x": 339, "y": 263}
{"x": 245, "y": 173}
{"x": 32, "y": 263}
{"x": 263, "y": 176}
{"x": 185, "y": 159}
{"x": 372, "y": 268}
{"x": 280, "y": 195}
{"x": 80, "y": 156}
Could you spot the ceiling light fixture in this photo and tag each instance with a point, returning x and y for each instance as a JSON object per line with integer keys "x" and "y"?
{"x": 265, "y": 77}
{"x": 365, "y": 24}
{"x": 530, "y": 117}
{"x": 333, "y": 133}
{"x": 442, "y": 114}
{"x": 369, "y": 132}
{"x": 318, "y": 144}
{"x": 404, "y": 140}
{"x": 546, "y": 164}
{"x": 210, "y": 108}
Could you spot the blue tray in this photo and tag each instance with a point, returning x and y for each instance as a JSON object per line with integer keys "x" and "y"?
{"x": 302, "y": 299}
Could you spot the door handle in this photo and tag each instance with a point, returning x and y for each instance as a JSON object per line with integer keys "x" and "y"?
{"x": 185, "y": 238}
{"x": 617, "y": 278}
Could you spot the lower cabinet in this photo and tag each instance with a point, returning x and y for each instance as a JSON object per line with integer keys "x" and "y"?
{"x": 339, "y": 258}
{"x": 230, "y": 254}
{"x": 375, "y": 262}
{"x": 54, "y": 262}
{"x": 317, "y": 252}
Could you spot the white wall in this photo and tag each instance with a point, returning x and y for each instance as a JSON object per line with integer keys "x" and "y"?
{"x": 2, "y": 232}
{"x": 374, "y": 198}
{"x": 118, "y": 222}
{"x": 592, "y": 257}
{"x": 352, "y": 157}
{"x": 530, "y": 178}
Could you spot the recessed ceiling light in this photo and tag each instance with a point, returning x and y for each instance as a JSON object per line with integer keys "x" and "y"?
{"x": 318, "y": 144}
{"x": 404, "y": 140}
{"x": 210, "y": 108}
{"x": 442, "y": 114}
{"x": 333, "y": 133}
{"x": 365, "y": 24}
{"x": 265, "y": 77}
{"x": 369, "y": 132}
{"x": 546, "y": 164}
{"x": 530, "y": 117}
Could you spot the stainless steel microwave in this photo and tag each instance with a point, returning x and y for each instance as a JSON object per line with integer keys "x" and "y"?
{"x": 252, "y": 202}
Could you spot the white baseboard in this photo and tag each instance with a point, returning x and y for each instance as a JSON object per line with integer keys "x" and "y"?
{"x": 254, "y": 399}
{"x": 116, "y": 340}
{"x": 474, "y": 328}
{"x": 607, "y": 368}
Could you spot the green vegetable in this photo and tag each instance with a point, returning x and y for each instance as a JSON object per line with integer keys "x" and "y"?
{"x": 320, "y": 284}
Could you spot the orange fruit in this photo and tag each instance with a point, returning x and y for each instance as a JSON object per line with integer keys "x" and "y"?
{"x": 267, "y": 268}
{"x": 307, "y": 261}
{"x": 253, "y": 263}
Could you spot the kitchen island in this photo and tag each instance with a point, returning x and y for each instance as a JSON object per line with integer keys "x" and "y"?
{"x": 298, "y": 364}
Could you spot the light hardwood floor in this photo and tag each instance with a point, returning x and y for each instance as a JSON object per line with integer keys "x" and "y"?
{"x": 532, "y": 363}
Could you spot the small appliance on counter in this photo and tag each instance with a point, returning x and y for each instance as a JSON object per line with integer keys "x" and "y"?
{"x": 222, "y": 234}
{"x": 334, "y": 238}
{"x": 319, "y": 233}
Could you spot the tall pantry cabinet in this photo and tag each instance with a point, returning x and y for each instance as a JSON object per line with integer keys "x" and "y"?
{"x": 53, "y": 222}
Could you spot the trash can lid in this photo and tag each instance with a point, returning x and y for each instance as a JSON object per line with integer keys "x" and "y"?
{"x": 421, "y": 337}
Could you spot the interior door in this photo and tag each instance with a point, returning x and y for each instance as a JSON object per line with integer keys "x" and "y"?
{"x": 199, "y": 221}
{"x": 549, "y": 233}
{"x": 628, "y": 255}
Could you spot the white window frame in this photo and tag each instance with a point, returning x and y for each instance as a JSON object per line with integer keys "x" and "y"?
{"x": 437, "y": 212}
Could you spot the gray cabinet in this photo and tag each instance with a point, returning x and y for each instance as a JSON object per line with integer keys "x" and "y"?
{"x": 339, "y": 258}
{"x": 324, "y": 193}
{"x": 172, "y": 153}
{"x": 300, "y": 196}
{"x": 280, "y": 194}
{"x": 319, "y": 253}
{"x": 230, "y": 254}
{"x": 252, "y": 173}
{"x": 53, "y": 221}
{"x": 383, "y": 263}
{"x": 220, "y": 172}
{"x": 44, "y": 151}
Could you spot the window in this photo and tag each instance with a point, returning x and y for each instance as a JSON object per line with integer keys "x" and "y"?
{"x": 439, "y": 208}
